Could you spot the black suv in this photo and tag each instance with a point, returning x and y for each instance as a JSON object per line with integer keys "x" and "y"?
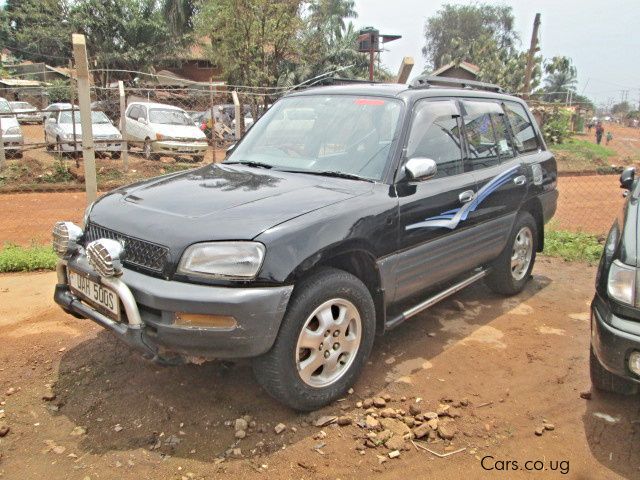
{"x": 344, "y": 211}
{"x": 615, "y": 310}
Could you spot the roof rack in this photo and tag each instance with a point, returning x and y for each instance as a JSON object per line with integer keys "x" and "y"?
{"x": 427, "y": 81}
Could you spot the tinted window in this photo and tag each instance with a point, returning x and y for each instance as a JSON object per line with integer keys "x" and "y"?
{"x": 486, "y": 134}
{"x": 523, "y": 132}
{"x": 435, "y": 135}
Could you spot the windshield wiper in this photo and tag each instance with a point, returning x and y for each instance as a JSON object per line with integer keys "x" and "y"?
{"x": 250, "y": 164}
{"x": 333, "y": 173}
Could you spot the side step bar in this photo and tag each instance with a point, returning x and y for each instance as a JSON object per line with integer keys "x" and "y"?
{"x": 394, "y": 322}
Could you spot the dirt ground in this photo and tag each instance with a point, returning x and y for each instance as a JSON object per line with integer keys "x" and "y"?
{"x": 519, "y": 362}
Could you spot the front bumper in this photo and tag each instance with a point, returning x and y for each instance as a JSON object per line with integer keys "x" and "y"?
{"x": 613, "y": 339}
{"x": 114, "y": 145}
{"x": 150, "y": 306}
{"x": 173, "y": 147}
{"x": 13, "y": 142}
{"x": 29, "y": 118}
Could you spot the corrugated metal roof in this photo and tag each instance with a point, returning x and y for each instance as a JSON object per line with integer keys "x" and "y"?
{"x": 18, "y": 82}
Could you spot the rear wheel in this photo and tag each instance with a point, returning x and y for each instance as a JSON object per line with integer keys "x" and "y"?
{"x": 323, "y": 342}
{"x": 147, "y": 151}
{"x": 115, "y": 155}
{"x": 511, "y": 270}
{"x": 603, "y": 379}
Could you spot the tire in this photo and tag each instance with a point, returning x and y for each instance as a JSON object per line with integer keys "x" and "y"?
{"x": 115, "y": 155}
{"x": 504, "y": 277}
{"x": 603, "y": 379}
{"x": 333, "y": 292}
{"x": 147, "y": 153}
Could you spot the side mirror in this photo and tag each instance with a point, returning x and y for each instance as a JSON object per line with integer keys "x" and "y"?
{"x": 627, "y": 177}
{"x": 142, "y": 120}
{"x": 419, "y": 168}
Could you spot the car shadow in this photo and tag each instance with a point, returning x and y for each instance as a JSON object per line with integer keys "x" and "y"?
{"x": 125, "y": 402}
{"x": 612, "y": 427}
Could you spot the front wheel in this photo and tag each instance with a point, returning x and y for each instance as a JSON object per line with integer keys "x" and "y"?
{"x": 604, "y": 380}
{"x": 323, "y": 343}
{"x": 510, "y": 272}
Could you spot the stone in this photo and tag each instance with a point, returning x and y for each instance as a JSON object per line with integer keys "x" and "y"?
{"x": 240, "y": 434}
{"x": 433, "y": 423}
{"x": 446, "y": 432}
{"x": 414, "y": 409}
{"x": 549, "y": 426}
{"x": 379, "y": 402}
{"x": 396, "y": 426}
{"x": 320, "y": 435}
{"x": 383, "y": 436}
{"x": 367, "y": 403}
{"x": 539, "y": 431}
{"x": 358, "y": 404}
{"x": 58, "y": 449}
{"x": 49, "y": 396}
{"x": 386, "y": 397}
{"x": 236, "y": 452}
{"x": 10, "y": 391}
{"x": 394, "y": 454}
{"x": 395, "y": 443}
{"x": 409, "y": 421}
{"x": 464, "y": 402}
{"x": 387, "y": 412}
{"x": 443, "y": 410}
{"x": 422, "y": 430}
{"x": 325, "y": 420}
{"x": 4, "y": 430}
{"x": 279, "y": 428}
{"x": 586, "y": 395}
{"x": 240, "y": 424}
{"x": 344, "y": 420}
{"x": 372, "y": 423}
{"x": 78, "y": 431}
{"x": 118, "y": 428}
{"x": 458, "y": 305}
{"x": 350, "y": 391}
{"x": 430, "y": 415}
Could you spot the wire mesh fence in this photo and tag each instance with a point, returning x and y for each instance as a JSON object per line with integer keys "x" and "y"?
{"x": 158, "y": 130}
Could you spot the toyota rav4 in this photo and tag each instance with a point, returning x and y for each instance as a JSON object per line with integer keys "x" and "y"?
{"x": 343, "y": 212}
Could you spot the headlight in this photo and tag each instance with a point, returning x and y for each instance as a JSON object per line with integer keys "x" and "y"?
{"x": 13, "y": 131}
{"x": 226, "y": 260}
{"x": 65, "y": 238}
{"x": 621, "y": 285}
{"x": 105, "y": 256}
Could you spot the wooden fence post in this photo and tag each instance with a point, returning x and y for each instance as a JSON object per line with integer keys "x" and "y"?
{"x": 124, "y": 146}
{"x": 236, "y": 102}
{"x": 3, "y": 158}
{"x": 84, "y": 99}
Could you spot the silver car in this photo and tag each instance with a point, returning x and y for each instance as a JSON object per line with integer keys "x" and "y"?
{"x": 59, "y": 134}
{"x": 26, "y": 113}
{"x": 11, "y": 133}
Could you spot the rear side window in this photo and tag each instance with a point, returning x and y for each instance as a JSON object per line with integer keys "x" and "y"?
{"x": 524, "y": 135}
{"x": 134, "y": 112}
{"x": 435, "y": 134}
{"x": 486, "y": 134}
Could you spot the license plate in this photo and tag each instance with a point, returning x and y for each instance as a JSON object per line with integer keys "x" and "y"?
{"x": 97, "y": 296}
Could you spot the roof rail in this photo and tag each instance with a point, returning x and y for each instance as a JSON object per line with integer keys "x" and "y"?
{"x": 427, "y": 81}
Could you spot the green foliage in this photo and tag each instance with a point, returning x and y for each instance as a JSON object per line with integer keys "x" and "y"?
{"x": 621, "y": 108}
{"x": 481, "y": 34}
{"x": 14, "y": 258}
{"x": 58, "y": 91}
{"x": 584, "y": 149}
{"x": 37, "y": 30}
{"x": 572, "y": 246}
{"x": 556, "y": 128}
{"x": 561, "y": 77}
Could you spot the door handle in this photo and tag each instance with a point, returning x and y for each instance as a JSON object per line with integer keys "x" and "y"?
{"x": 466, "y": 196}
{"x": 520, "y": 180}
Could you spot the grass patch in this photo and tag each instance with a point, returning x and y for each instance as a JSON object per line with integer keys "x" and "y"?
{"x": 14, "y": 258}
{"x": 572, "y": 246}
{"x": 584, "y": 149}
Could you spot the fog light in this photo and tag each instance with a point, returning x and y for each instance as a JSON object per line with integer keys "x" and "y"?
{"x": 104, "y": 256}
{"x": 634, "y": 362}
{"x": 66, "y": 236}
{"x": 199, "y": 320}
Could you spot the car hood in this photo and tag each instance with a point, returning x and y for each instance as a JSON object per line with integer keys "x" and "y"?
{"x": 99, "y": 129}
{"x": 217, "y": 202}
{"x": 179, "y": 131}
{"x": 8, "y": 122}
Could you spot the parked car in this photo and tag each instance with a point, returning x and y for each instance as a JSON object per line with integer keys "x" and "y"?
{"x": 615, "y": 309}
{"x": 163, "y": 130}
{"x": 11, "y": 132}
{"x": 59, "y": 133}
{"x": 54, "y": 107}
{"x": 26, "y": 113}
{"x": 342, "y": 213}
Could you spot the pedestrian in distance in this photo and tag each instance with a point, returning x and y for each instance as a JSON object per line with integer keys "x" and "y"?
{"x": 599, "y": 133}
{"x": 609, "y": 137}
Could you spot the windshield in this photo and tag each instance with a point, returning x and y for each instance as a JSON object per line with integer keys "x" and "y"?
{"x": 96, "y": 117}
{"x": 4, "y": 106}
{"x": 21, "y": 105}
{"x": 324, "y": 133}
{"x": 166, "y": 116}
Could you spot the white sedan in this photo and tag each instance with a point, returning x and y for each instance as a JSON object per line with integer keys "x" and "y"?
{"x": 59, "y": 133}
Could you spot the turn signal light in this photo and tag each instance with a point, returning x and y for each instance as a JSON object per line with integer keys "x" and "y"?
{"x": 200, "y": 320}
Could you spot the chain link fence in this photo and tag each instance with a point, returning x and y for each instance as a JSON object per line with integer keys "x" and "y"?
{"x": 182, "y": 128}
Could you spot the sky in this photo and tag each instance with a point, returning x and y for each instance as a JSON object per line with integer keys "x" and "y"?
{"x": 602, "y": 37}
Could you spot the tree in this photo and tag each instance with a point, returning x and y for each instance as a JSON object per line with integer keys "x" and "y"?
{"x": 561, "y": 78}
{"x": 252, "y": 39}
{"x": 330, "y": 15}
{"x": 455, "y": 26}
{"x": 621, "y": 108}
{"x": 123, "y": 34}
{"x": 37, "y": 30}
{"x": 481, "y": 34}
{"x": 179, "y": 15}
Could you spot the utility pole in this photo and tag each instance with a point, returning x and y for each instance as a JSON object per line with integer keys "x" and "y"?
{"x": 530, "y": 57}
{"x": 84, "y": 99}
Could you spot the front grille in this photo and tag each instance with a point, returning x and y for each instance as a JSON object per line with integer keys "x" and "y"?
{"x": 138, "y": 254}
